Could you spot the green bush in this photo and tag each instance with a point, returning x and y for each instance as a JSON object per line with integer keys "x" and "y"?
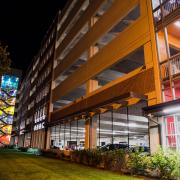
{"x": 35, "y": 151}
{"x": 138, "y": 162}
{"x": 166, "y": 163}
{"x": 23, "y": 149}
{"x": 94, "y": 157}
{"x": 162, "y": 164}
{"x": 87, "y": 157}
{"x": 114, "y": 160}
{"x": 10, "y": 146}
{"x": 49, "y": 153}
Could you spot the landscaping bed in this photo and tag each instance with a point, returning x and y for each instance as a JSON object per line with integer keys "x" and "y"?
{"x": 161, "y": 165}
{"x": 23, "y": 166}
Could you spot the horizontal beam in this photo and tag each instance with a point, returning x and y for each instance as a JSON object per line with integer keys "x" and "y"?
{"x": 118, "y": 91}
{"x": 117, "y": 12}
{"x": 126, "y": 42}
{"x": 70, "y": 17}
{"x": 85, "y": 18}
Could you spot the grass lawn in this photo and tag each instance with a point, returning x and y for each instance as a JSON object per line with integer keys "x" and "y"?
{"x": 19, "y": 166}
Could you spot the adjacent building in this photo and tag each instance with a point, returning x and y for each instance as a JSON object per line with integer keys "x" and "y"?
{"x": 102, "y": 69}
{"x": 8, "y": 91}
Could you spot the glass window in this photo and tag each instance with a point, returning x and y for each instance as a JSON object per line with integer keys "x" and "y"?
{"x": 138, "y": 126}
{"x": 106, "y": 129}
{"x": 68, "y": 135}
{"x": 62, "y": 136}
{"x": 170, "y": 132}
{"x": 74, "y": 132}
{"x": 120, "y": 126}
{"x": 81, "y": 134}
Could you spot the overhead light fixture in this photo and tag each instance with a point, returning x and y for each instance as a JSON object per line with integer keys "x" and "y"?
{"x": 172, "y": 110}
{"x": 177, "y": 23}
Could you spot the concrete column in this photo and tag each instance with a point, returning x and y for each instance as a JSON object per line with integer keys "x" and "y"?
{"x": 162, "y": 49}
{"x": 90, "y": 133}
{"x": 93, "y": 134}
{"x": 154, "y": 132}
{"x": 47, "y": 138}
{"x": 91, "y": 85}
{"x": 87, "y": 133}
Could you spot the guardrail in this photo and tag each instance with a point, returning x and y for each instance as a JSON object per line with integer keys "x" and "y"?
{"x": 170, "y": 67}
{"x": 164, "y": 9}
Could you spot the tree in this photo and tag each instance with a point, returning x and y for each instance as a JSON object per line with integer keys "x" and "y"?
{"x": 5, "y": 61}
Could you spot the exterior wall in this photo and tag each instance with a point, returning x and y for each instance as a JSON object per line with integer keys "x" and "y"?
{"x": 38, "y": 139}
{"x": 21, "y": 141}
{"x": 33, "y": 107}
{"x": 139, "y": 34}
{"x": 165, "y": 16}
{"x": 81, "y": 53}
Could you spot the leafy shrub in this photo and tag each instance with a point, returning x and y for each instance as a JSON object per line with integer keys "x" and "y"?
{"x": 163, "y": 164}
{"x": 87, "y": 157}
{"x": 10, "y": 146}
{"x": 49, "y": 153}
{"x": 35, "y": 151}
{"x": 74, "y": 156}
{"x": 94, "y": 157}
{"x": 23, "y": 149}
{"x": 138, "y": 162}
{"x": 114, "y": 160}
{"x": 166, "y": 163}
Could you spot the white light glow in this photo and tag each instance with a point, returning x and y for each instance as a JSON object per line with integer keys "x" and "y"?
{"x": 177, "y": 23}
{"x": 172, "y": 110}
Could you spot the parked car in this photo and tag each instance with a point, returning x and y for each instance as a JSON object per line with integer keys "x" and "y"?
{"x": 111, "y": 147}
{"x": 143, "y": 149}
{"x": 80, "y": 147}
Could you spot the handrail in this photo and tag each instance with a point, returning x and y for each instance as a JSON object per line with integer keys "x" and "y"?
{"x": 4, "y": 122}
{"x": 7, "y": 93}
{"x": 4, "y": 111}
{"x": 165, "y": 8}
{"x": 158, "y": 7}
{"x": 3, "y": 117}
{"x": 5, "y": 106}
{"x": 173, "y": 68}
{"x": 170, "y": 59}
{"x": 6, "y": 102}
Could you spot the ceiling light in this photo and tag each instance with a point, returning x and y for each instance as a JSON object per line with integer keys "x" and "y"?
{"x": 172, "y": 110}
{"x": 177, "y": 23}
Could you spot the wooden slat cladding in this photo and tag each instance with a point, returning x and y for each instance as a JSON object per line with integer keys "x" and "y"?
{"x": 71, "y": 15}
{"x": 110, "y": 94}
{"x": 86, "y": 16}
{"x": 116, "y": 12}
{"x": 133, "y": 37}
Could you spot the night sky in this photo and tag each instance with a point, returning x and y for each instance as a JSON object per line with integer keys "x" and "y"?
{"x": 23, "y": 24}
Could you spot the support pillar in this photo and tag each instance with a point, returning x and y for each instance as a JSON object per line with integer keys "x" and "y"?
{"x": 154, "y": 135}
{"x": 47, "y": 138}
{"x": 90, "y": 123}
{"x": 90, "y": 133}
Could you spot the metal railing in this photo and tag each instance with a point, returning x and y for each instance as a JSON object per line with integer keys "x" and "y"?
{"x": 164, "y": 9}
{"x": 170, "y": 66}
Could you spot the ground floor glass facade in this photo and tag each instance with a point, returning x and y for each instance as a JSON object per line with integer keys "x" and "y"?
{"x": 125, "y": 125}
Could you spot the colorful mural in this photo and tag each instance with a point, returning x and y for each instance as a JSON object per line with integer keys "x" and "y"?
{"x": 8, "y": 91}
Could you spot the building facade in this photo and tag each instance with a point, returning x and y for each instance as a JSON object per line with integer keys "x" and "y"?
{"x": 110, "y": 60}
{"x": 8, "y": 91}
{"x": 33, "y": 95}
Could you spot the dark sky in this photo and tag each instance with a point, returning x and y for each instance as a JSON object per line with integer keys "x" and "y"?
{"x": 23, "y": 24}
